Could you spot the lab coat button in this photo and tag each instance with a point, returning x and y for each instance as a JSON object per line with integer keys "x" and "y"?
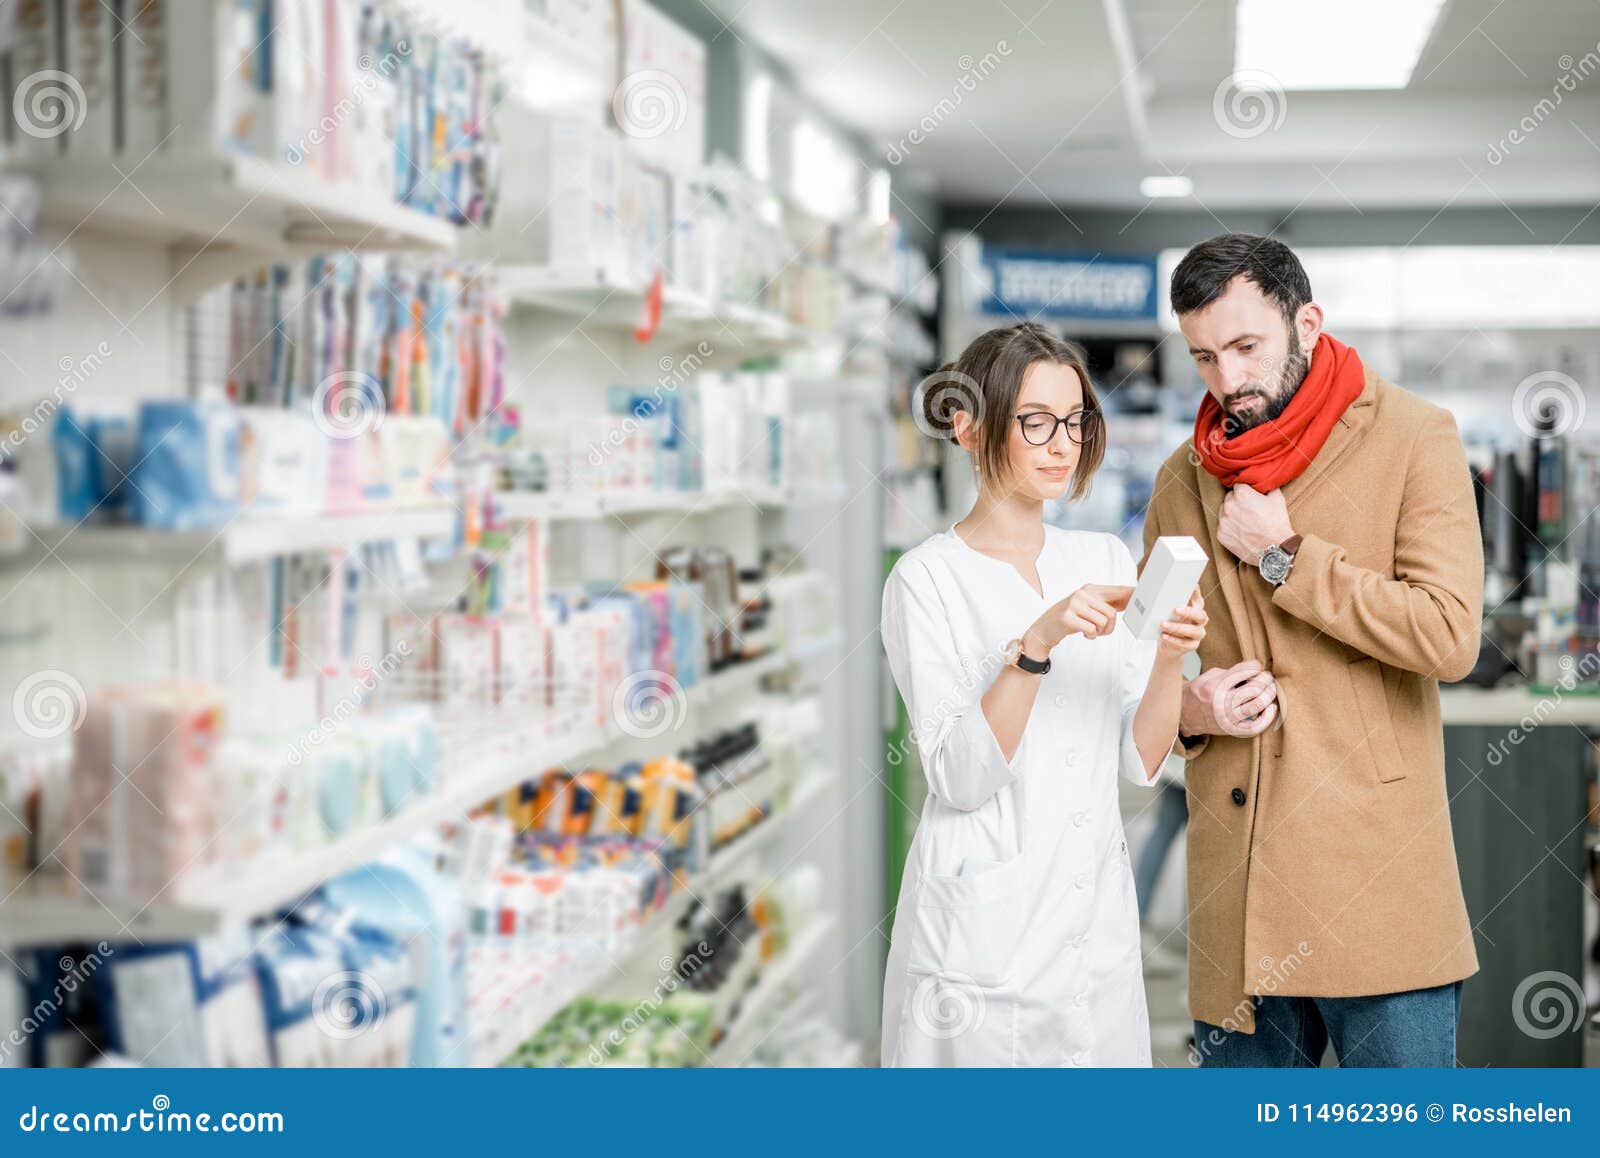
{"x": 1082, "y": 880}
{"x": 1081, "y": 1058}
{"x": 1077, "y": 942}
{"x": 1080, "y": 818}
{"x": 1072, "y": 759}
{"x": 1238, "y": 797}
{"x": 1081, "y": 999}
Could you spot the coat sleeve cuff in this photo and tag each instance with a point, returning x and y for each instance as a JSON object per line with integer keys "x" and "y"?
{"x": 968, "y": 766}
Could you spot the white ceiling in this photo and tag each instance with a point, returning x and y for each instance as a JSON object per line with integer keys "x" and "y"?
{"x": 1084, "y": 97}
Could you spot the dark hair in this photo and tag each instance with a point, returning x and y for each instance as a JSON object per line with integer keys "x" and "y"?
{"x": 1271, "y": 266}
{"x": 985, "y": 381}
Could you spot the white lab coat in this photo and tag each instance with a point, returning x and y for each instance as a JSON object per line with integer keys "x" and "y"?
{"x": 1016, "y": 936}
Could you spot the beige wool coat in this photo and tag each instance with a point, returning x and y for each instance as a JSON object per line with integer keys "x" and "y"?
{"x": 1321, "y": 861}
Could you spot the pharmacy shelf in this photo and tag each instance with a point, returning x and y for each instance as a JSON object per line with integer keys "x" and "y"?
{"x": 515, "y": 1022}
{"x": 591, "y": 296}
{"x": 211, "y": 899}
{"x": 228, "y": 208}
{"x": 520, "y": 505}
{"x": 767, "y": 993}
{"x": 506, "y": 1028}
{"x": 243, "y": 540}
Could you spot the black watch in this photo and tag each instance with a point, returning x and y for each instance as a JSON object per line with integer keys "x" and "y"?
{"x": 1014, "y": 655}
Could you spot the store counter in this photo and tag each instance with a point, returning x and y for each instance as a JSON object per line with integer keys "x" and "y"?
{"x": 1517, "y": 764}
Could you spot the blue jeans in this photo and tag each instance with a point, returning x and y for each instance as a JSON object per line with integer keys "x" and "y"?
{"x": 1415, "y": 1028}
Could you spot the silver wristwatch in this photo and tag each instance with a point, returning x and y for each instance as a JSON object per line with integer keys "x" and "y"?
{"x": 1277, "y": 559}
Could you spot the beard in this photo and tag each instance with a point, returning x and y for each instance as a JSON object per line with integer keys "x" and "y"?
{"x": 1276, "y": 393}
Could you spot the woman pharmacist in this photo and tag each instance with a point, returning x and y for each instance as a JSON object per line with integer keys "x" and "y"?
{"x": 1016, "y": 937}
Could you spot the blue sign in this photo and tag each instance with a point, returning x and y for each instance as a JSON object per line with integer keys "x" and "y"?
{"x": 1030, "y": 284}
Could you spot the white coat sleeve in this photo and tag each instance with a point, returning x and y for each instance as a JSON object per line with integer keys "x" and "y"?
{"x": 961, "y": 758}
{"x": 1139, "y": 656}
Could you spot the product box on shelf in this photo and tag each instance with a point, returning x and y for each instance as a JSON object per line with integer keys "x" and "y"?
{"x": 661, "y": 95}
{"x": 141, "y": 788}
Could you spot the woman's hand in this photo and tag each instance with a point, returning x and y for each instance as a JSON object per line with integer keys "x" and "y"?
{"x": 1184, "y": 631}
{"x": 1090, "y": 611}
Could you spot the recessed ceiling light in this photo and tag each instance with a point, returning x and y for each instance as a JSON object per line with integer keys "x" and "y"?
{"x": 1166, "y": 186}
{"x": 1355, "y": 44}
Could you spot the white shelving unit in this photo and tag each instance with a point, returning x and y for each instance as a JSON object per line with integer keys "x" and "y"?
{"x": 744, "y": 1035}
{"x": 151, "y": 236}
{"x": 211, "y": 899}
{"x": 516, "y": 1022}
{"x": 225, "y": 214}
{"x": 244, "y": 540}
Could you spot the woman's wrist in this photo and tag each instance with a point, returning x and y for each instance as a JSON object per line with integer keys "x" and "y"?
{"x": 1034, "y": 645}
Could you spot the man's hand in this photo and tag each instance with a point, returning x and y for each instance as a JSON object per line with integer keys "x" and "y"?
{"x": 1241, "y": 700}
{"x": 1250, "y": 522}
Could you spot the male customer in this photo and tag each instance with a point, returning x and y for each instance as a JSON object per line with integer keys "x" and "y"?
{"x": 1324, "y": 898}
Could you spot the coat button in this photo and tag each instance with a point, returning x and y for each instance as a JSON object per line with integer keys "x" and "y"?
{"x": 1081, "y": 880}
{"x": 1072, "y": 759}
{"x": 1081, "y": 1058}
{"x": 1079, "y": 819}
{"x": 1238, "y": 796}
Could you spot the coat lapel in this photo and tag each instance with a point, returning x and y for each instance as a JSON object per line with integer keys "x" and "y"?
{"x": 1211, "y": 493}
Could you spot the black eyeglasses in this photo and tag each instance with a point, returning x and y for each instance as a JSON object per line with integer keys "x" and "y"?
{"x": 1039, "y": 427}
